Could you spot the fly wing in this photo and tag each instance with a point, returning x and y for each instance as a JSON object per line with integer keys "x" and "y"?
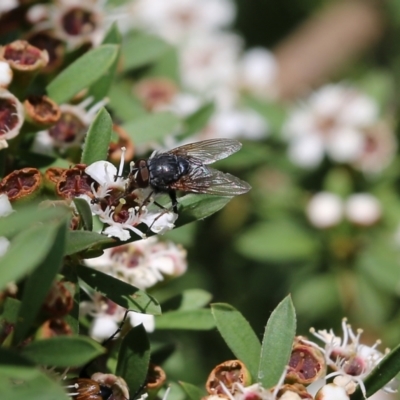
{"x": 208, "y": 151}
{"x": 212, "y": 182}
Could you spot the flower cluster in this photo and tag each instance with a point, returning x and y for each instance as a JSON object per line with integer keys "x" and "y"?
{"x": 308, "y": 374}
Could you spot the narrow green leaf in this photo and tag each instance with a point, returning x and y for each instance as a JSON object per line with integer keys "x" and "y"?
{"x": 27, "y": 250}
{"x": 38, "y": 285}
{"x": 151, "y": 127}
{"x": 134, "y": 358}
{"x": 189, "y": 319}
{"x": 193, "y": 123}
{"x": 78, "y": 241}
{"x": 193, "y": 392}
{"x": 100, "y": 88}
{"x": 123, "y": 104}
{"x": 22, "y": 219}
{"x": 238, "y": 335}
{"x": 119, "y": 292}
{"x": 140, "y": 49}
{"x": 98, "y": 138}
{"x": 63, "y": 351}
{"x": 382, "y": 374}
{"x": 20, "y": 379}
{"x": 277, "y": 343}
{"x": 85, "y": 213}
{"x": 9, "y": 311}
{"x": 199, "y": 206}
{"x": 193, "y": 299}
{"x": 82, "y": 73}
{"x": 167, "y": 66}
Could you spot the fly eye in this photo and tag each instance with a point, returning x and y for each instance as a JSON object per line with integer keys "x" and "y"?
{"x": 142, "y": 176}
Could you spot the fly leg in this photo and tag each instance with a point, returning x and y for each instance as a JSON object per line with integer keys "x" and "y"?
{"x": 172, "y": 196}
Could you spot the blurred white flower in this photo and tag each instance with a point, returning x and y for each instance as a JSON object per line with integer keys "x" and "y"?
{"x": 6, "y": 74}
{"x": 379, "y": 148}
{"x": 258, "y": 69}
{"x": 209, "y": 62}
{"x": 178, "y": 20}
{"x": 5, "y": 206}
{"x": 332, "y": 391}
{"x": 108, "y": 316}
{"x": 325, "y": 210}
{"x": 4, "y": 244}
{"x": 143, "y": 263}
{"x": 331, "y": 121}
{"x": 11, "y": 116}
{"x": 363, "y": 209}
{"x": 8, "y": 5}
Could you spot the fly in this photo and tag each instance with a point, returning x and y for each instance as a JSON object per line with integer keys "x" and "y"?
{"x": 186, "y": 168}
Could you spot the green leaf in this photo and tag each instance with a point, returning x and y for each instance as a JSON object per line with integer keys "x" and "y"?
{"x": 8, "y": 317}
{"x": 84, "y": 212}
{"x": 150, "y": 127}
{"x": 119, "y": 292}
{"x": 82, "y": 73}
{"x": 27, "y": 250}
{"x": 22, "y": 219}
{"x": 238, "y": 335}
{"x": 98, "y": 138}
{"x": 199, "y": 206}
{"x": 100, "y": 89}
{"x": 382, "y": 374}
{"x": 63, "y": 351}
{"x": 193, "y": 392}
{"x": 277, "y": 343}
{"x": 167, "y": 66}
{"x": 38, "y": 284}
{"x": 189, "y": 319}
{"x": 78, "y": 241}
{"x": 278, "y": 241}
{"x": 19, "y": 379}
{"x": 193, "y": 123}
{"x": 140, "y": 49}
{"x": 123, "y": 104}
{"x": 134, "y": 358}
{"x": 193, "y": 299}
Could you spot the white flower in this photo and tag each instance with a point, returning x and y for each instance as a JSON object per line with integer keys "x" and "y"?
{"x": 5, "y": 206}
{"x": 6, "y": 74}
{"x": 146, "y": 320}
{"x": 332, "y": 392}
{"x": 143, "y": 263}
{"x": 363, "y": 209}
{"x": 258, "y": 69}
{"x": 176, "y": 20}
{"x": 331, "y": 121}
{"x": 209, "y": 62}
{"x": 325, "y": 210}
{"x": 8, "y": 5}
{"x": 102, "y": 327}
{"x": 348, "y": 357}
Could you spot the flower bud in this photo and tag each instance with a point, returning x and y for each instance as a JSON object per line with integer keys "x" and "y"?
{"x": 41, "y": 111}
{"x": 227, "y": 373}
{"x": 23, "y": 184}
{"x": 59, "y": 301}
{"x": 332, "y": 392}
{"x": 324, "y": 210}
{"x": 298, "y": 389}
{"x": 306, "y": 364}
{"x": 363, "y": 209}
